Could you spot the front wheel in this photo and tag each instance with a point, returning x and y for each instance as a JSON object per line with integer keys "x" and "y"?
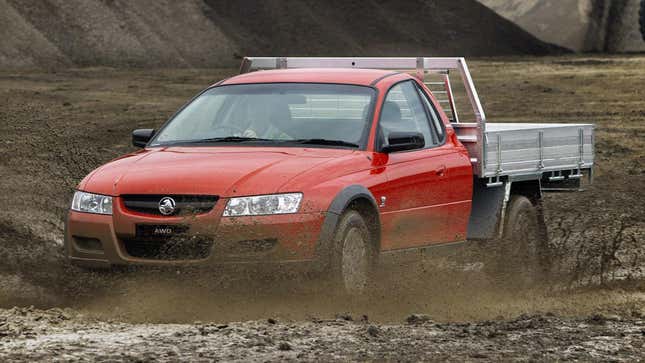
{"x": 521, "y": 257}
{"x": 354, "y": 255}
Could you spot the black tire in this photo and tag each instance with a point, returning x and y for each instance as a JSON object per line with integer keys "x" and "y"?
{"x": 354, "y": 256}
{"x": 521, "y": 257}
{"x": 642, "y": 19}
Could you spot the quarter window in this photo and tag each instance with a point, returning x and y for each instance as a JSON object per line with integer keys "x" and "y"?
{"x": 437, "y": 123}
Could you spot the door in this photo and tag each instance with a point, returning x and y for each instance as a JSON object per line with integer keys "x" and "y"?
{"x": 416, "y": 203}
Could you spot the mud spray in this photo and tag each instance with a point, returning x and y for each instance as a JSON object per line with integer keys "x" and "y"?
{"x": 451, "y": 287}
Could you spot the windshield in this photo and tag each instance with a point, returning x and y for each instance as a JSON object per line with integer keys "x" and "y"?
{"x": 275, "y": 113}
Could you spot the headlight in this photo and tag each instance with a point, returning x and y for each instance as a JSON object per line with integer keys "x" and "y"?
{"x": 263, "y": 204}
{"x": 92, "y": 203}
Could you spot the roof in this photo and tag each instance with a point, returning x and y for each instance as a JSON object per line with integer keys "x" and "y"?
{"x": 364, "y": 77}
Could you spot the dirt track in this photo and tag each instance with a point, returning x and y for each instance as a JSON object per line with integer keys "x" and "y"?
{"x": 56, "y": 127}
{"x": 34, "y": 334}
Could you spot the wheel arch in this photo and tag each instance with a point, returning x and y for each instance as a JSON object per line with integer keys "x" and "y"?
{"x": 355, "y": 197}
{"x": 531, "y": 189}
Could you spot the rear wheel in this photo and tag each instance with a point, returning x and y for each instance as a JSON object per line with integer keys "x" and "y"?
{"x": 354, "y": 255}
{"x": 521, "y": 257}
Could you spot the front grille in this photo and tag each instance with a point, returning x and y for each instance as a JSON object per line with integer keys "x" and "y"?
{"x": 175, "y": 248}
{"x": 184, "y": 204}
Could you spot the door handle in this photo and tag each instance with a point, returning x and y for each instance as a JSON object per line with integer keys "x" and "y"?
{"x": 441, "y": 171}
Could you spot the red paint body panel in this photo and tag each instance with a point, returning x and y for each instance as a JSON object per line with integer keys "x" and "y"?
{"x": 428, "y": 191}
{"x": 426, "y": 188}
{"x": 225, "y": 171}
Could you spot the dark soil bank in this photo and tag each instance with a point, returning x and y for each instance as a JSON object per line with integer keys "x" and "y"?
{"x": 213, "y": 33}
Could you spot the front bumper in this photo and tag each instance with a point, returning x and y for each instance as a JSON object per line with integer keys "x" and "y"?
{"x": 94, "y": 240}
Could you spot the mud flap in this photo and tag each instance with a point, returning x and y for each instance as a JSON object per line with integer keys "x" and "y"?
{"x": 487, "y": 207}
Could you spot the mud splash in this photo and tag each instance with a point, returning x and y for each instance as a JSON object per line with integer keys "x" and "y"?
{"x": 223, "y": 295}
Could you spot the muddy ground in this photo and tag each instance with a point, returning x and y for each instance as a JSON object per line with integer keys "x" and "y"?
{"x": 31, "y": 334}
{"x": 56, "y": 127}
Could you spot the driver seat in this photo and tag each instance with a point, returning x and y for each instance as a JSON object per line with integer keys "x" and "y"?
{"x": 280, "y": 117}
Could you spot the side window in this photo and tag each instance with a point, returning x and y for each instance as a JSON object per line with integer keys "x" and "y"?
{"x": 403, "y": 111}
{"x": 437, "y": 123}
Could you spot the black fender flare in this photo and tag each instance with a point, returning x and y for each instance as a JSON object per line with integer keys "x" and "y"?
{"x": 339, "y": 204}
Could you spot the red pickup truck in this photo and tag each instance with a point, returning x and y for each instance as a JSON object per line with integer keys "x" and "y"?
{"x": 328, "y": 161}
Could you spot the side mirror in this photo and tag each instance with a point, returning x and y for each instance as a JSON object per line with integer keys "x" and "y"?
{"x": 401, "y": 141}
{"x": 141, "y": 137}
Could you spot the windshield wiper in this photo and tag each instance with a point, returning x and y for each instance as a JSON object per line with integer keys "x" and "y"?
{"x": 226, "y": 139}
{"x": 323, "y": 142}
{"x": 251, "y": 139}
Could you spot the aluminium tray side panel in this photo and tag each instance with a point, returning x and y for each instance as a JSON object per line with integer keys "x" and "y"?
{"x": 536, "y": 148}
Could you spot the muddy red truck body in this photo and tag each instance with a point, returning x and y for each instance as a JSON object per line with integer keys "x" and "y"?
{"x": 250, "y": 199}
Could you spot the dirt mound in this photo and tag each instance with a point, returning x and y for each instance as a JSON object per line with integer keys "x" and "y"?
{"x": 212, "y": 33}
{"x": 591, "y": 25}
{"x": 116, "y": 33}
{"x": 544, "y": 19}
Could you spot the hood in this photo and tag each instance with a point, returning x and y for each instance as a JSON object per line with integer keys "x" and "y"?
{"x": 223, "y": 171}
